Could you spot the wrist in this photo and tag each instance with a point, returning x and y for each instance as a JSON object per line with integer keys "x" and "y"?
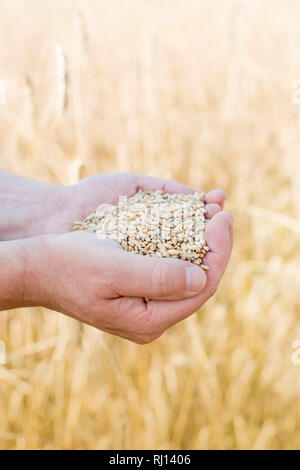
{"x": 25, "y": 206}
{"x": 12, "y": 274}
{"x": 34, "y": 269}
{"x": 23, "y": 267}
{"x": 39, "y": 272}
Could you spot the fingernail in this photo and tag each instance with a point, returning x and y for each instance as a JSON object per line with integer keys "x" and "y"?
{"x": 195, "y": 279}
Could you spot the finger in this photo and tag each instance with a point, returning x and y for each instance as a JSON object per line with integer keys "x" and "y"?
{"x": 143, "y": 322}
{"x": 211, "y": 210}
{"x": 129, "y": 315}
{"x": 216, "y": 196}
{"x": 219, "y": 238}
{"x": 156, "y": 278}
{"x": 102, "y": 206}
{"x": 150, "y": 183}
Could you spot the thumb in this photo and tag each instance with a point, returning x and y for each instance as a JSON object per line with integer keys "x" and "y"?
{"x": 155, "y": 278}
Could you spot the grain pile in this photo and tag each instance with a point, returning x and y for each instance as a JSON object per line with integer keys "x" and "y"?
{"x": 154, "y": 224}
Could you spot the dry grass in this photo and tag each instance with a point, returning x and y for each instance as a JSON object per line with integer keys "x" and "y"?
{"x": 199, "y": 91}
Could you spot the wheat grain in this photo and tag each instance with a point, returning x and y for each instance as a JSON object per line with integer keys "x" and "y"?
{"x": 154, "y": 224}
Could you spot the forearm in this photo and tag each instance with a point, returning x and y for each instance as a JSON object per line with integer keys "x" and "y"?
{"x": 22, "y": 205}
{"x": 12, "y": 274}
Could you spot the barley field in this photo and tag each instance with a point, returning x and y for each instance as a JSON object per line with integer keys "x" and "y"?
{"x": 206, "y": 92}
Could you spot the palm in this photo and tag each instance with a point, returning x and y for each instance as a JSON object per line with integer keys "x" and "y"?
{"x": 76, "y": 202}
{"x": 165, "y": 313}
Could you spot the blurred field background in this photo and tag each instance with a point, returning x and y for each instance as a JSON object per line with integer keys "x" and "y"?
{"x": 204, "y": 92}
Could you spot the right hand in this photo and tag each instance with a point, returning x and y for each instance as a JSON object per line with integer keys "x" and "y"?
{"x": 98, "y": 283}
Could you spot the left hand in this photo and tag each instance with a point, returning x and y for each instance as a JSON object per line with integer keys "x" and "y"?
{"x": 65, "y": 204}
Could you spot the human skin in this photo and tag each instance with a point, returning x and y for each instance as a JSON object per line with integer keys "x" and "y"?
{"x": 93, "y": 280}
{"x": 29, "y": 208}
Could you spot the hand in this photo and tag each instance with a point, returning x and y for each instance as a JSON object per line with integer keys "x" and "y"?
{"x": 61, "y": 206}
{"x": 97, "y": 282}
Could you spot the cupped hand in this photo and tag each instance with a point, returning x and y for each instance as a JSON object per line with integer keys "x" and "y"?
{"x": 65, "y": 205}
{"x": 98, "y": 283}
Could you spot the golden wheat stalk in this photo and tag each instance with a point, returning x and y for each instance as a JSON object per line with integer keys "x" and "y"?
{"x": 62, "y": 80}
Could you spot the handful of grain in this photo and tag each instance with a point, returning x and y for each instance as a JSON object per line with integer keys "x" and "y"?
{"x": 154, "y": 224}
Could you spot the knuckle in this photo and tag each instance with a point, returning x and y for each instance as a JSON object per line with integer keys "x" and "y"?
{"x": 141, "y": 340}
{"x": 161, "y": 279}
{"x": 148, "y": 330}
{"x": 147, "y": 338}
{"x": 212, "y": 290}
